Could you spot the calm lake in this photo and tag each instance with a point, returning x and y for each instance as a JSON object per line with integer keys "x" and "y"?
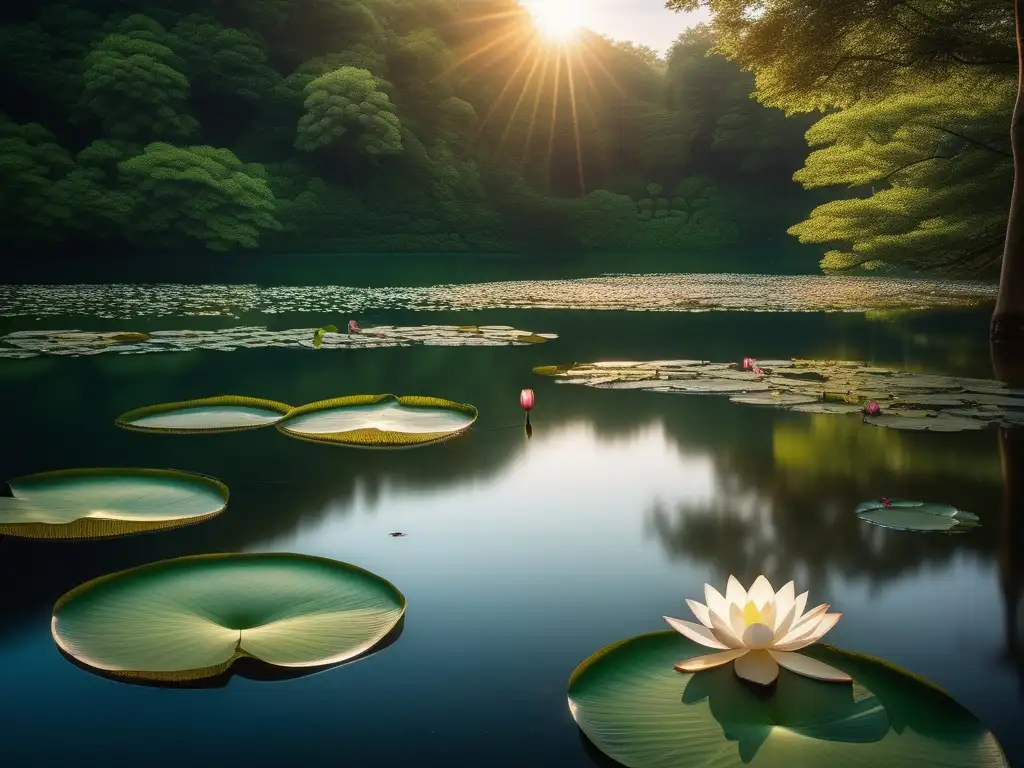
{"x": 522, "y": 557}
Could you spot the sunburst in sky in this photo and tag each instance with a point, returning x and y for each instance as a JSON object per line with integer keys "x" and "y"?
{"x": 552, "y": 68}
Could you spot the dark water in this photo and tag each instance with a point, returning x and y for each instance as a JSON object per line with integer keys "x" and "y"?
{"x": 522, "y": 557}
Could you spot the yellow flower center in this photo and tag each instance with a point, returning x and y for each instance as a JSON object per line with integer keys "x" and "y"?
{"x": 751, "y": 615}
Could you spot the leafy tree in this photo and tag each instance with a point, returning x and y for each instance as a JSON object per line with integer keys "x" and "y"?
{"x": 347, "y": 102}
{"x": 31, "y": 166}
{"x": 132, "y": 86}
{"x": 937, "y": 160}
{"x": 199, "y": 193}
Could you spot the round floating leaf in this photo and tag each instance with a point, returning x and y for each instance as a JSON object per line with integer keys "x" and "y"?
{"x": 823, "y": 407}
{"x": 922, "y": 516}
{"x": 192, "y": 617}
{"x": 775, "y": 398}
{"x": 99, "y": 503}
{"x": 925, "y": 421}
{"x": 210, "y": 415}
{"x": 379, "y": 421}
{"x": 637, "y": 709}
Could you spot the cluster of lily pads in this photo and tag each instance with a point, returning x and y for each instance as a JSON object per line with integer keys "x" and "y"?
{"x": 619, "y": 292}
{"x": 364, "y": 421}
{"x": 902, "y": 400}
{"x": 25, "y": 344}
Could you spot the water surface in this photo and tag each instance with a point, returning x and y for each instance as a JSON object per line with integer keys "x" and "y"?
{"x": 522, "y": 557}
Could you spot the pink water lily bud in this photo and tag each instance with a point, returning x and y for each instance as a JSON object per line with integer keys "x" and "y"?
{"x": 886, "y": 503}
{"x": 749, "y": 363}
{"x": 758, "y": 371}
{"x": 527, "y": 399}
{"x": 353, "y": 327}
{"x": 873, "y": 408}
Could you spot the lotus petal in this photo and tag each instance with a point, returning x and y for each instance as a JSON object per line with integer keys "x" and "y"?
{"x": 228, "y": 413}
{"x": 761, "y": 592}
{"x": 379, "y": 421}
{"x": 635, "y": 706}
{"x": 757, "y": 667}
{"x": 715, "y": 601}
{"x": 785, "y": 600}
{"x": 783, "y": 625}
{"x": 735, "y": 593}
{"x": 724, "y": 632}
{"x": 98, "y": 503}
{"x": 799, "y": 605}
{"x": 700, "y": 663}
{"x": 806, "y": 622}
{"x": 810, "y": 636}
{"x": 696, "y": 632}
{"x": 701, "y": 611}
{"x": 808, "y": 667}
{"x": 190, "y": 618}
{"x": 737, "y": 621}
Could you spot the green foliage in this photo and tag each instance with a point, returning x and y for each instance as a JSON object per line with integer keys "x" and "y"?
{"x": 32, "y": 165}
{"x": 368, "y": 125}
{"x": 918, "y": 99}
{"x": 346, "y": 101}
{"x": 132, "y": 86}
{"x": 199, "y": 193}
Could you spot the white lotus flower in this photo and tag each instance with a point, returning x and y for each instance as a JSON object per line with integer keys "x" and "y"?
{"x": 759, "y": 630}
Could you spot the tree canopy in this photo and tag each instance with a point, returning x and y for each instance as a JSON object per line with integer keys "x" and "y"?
{"x": 914, "y": 101}
{"x": 374, "y": 125}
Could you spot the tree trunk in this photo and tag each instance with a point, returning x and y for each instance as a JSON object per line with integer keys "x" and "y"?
{"x": 1008, "y": 320}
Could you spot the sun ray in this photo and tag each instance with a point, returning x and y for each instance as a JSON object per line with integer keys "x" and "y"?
{"x": 531, "y": 51}
{"x": 575, "y": 121}
{"x": 554, "y": 109}
{"x": 484, "y": 48}
{"x": 519, "y": 101}
{"x": 536, "y": 109}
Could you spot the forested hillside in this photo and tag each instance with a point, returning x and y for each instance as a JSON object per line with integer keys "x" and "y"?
{"x": 374, "y": 125}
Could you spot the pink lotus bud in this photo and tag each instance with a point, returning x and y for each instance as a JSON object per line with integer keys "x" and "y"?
{"x": 527, "y": 399}
{"x": 758, "y": 371}
{"x": 873, "y": 408}
{"x": 886, "y": 503}
{"x": 353, "y": 327}
{"x": 748, "y": 363}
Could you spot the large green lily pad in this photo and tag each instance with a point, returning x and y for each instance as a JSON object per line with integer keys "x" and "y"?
{"x": 379, "y": 421}
{"x": 637, "y": 709}
{"x": 913, "y": 401}
{"x": 210, "y": 415}
{"x": 191, "y": 618}
{"x": 904, "y": 515}
{"x": 97, "y": 503}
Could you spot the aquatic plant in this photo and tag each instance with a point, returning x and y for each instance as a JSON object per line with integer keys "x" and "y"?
{"x": 208, "y": 415}
{"x": 759, "y": 630}
{"x": 379, "y": 421}
{"x": 902, "y": 400}
{"x": 192, "y": 617}
{"x": 903, "y": 515}
{"x": 97, "y": 503}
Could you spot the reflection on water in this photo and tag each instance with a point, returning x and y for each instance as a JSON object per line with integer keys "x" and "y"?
{"x": 522, "y": 556}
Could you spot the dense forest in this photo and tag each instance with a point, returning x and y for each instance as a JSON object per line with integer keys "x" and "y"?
{"x": 917, "y": 100}
{"x": 375, "y": 126}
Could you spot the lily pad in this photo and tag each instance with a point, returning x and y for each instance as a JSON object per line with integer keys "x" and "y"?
{"x": 192, "y": 617}
{"x": 925, "y": 421}
{"x": 211, "y": 415}
{"x": 379, "y": 421}
{"x": 100, "y": 503}
{"x": 922, "y": 516}
{"x": 775, "y": 398}
{"x": 636, "y": 708}
{"x": 828, "y": 407}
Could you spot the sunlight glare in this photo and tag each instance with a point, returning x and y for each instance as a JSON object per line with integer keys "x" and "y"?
{"x": 559, "y": 20}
